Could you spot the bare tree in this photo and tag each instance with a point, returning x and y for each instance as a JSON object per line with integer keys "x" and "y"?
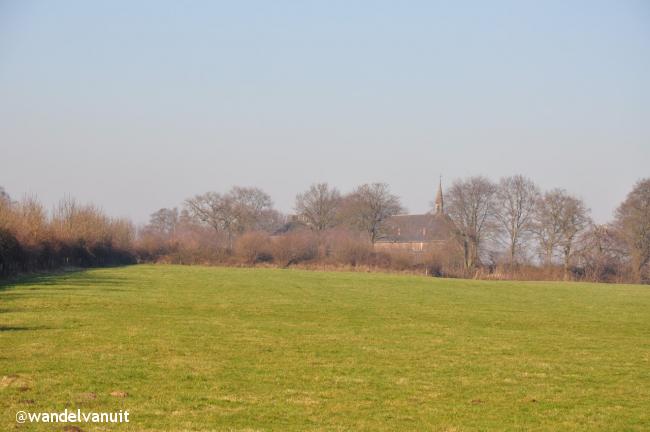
{"x": 601, "y": 254}
{"x": 576, "y": 219}
{"x": 215, "y": 210}
{"x": 164, "y": 221}
{"x": 241, "y": 209}
{"x": 633, "y": 227}
{"x": 122, "y": 233}
{"x": 369, "y": 206}
{"x": 270, "y": 220}
{"x": 546, "y": 225}
{"x": 516, "y": 198}
{"x": 250, "y": 205}
{"x": 471, "y": 205}
{"x": 318, "y": 207}
{"x": 31, "y": 222}
{"x": 559, "y": 218}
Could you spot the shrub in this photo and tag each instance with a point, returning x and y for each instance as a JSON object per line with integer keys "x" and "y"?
{"x": 349, "y": 248}
{"x": 294, "y": 247}
{"x": 253, "y": 247}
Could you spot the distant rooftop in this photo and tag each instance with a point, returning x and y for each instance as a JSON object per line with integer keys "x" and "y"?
{"x": 417, "y": 228}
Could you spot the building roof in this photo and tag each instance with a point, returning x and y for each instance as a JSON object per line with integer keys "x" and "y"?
{"x": 417, "y": 228}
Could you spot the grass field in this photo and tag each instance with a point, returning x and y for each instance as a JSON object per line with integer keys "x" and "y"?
{"x": 199, "y": 348}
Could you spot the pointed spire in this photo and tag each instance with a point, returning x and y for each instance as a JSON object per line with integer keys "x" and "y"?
{"x": 439, "y": 205}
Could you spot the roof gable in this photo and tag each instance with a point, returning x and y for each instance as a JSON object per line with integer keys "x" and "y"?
{"x": 417, "y": 228}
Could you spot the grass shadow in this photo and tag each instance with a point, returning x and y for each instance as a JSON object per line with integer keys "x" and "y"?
{"x": 21, "y": 328}
{"x": 37, "y": 278}
{"x": 72, "y": 276}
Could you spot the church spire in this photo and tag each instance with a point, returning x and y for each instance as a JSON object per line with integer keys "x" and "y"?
{"x": 439, "y": 207}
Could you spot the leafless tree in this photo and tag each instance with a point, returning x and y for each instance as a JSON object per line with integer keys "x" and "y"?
{"x": 559, "y": 218}
{"x": 471, "y": 205}
{"x": 576, "y": 219}
{"x": 215, "y": 210}
{"x": 239, "y": 210}
{"x": 164, "y": 221}
{"x": 31, "y": 225}
{"x": 516, "y": 198}
{"x": 318, "y": 207}
{"x": 122, "y": 233}
{"x": 64, "y": 213}
{"x": 601, "y": 254}
{"x": 369, "y": 206}
{"x": 250, "y": 205}
{"x": 270, "y": 220}
{"x": 633, "y": 227}
{"x": 546, "y": 226}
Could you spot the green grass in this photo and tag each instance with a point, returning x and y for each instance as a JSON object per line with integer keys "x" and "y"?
{"x": 200, "y": 348}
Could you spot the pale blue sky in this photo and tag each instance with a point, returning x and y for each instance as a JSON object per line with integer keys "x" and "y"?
{"x": 136, "y": 105}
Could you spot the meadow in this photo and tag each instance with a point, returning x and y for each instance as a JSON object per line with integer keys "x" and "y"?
{"x": 222, "y": 349}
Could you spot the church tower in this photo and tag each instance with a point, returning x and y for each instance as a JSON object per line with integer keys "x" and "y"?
{"x": 439, "y": 206}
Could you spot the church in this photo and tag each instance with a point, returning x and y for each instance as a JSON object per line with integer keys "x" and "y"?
{"x": 418, "y": 233}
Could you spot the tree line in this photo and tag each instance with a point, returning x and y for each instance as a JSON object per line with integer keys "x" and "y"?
{"x": 509, "y": 229}
{"x": 71, "y": 234}
{"x": 506, "y": 229}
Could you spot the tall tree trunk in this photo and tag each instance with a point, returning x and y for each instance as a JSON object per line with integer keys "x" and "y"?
{"x": 466, "y": 253}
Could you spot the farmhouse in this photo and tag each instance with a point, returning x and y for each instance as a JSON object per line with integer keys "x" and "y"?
{"x": 418, "y": 233}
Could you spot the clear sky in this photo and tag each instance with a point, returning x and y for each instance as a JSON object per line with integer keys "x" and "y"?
{"x": 137, "y": 105}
